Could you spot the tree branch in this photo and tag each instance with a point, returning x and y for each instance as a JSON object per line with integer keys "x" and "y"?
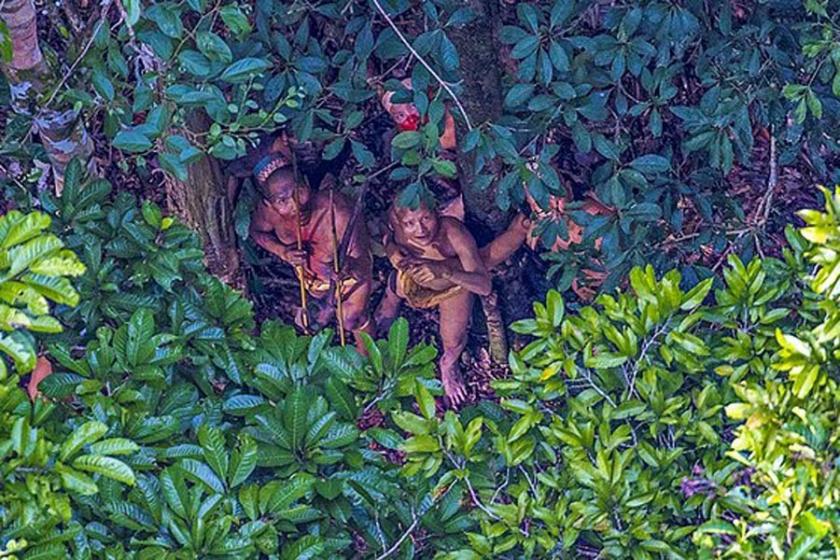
{"x": 425, "y": 64}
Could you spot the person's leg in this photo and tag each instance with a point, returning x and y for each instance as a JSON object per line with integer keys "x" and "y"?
{"x": 455, "y": 314}
{"x": 389, "y": 308}
{"x": 507, "y": 243}
{"x": 356, "y": 313}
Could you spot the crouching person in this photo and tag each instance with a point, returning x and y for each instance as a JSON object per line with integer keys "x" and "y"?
{"x": 439, "y": 265}
{"x": 290, "y": 210}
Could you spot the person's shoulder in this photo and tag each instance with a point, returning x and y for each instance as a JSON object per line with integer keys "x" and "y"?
{"x": 452, "y": 226}
{"x": 261, "y": 219}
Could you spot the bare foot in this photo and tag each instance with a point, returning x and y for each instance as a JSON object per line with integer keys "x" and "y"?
{"x": 453, "y": 387}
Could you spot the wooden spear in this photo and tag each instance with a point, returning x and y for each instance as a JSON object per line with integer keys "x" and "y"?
{"x": 337, "y": 268}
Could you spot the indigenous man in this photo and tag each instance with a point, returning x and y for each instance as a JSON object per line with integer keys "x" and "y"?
{"x": 406, "y": 117}
{"x": 290, "y": 210}
{"x": 439, "y": 265}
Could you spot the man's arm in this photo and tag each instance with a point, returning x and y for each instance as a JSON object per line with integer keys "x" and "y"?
{"x": 468, "y": 271}
{"x": 472, "y": 275}
{"x": 263, "y": 234}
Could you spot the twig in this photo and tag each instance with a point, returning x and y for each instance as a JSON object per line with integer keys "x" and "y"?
{"x": 530, "y": 482}
{"x": 79, "y": 58}
{"x": 502, "y": 487}
{"x": 477, "y": 502}
{"x": 379, "y": 172}
{"x": 405, "y": 535}
{"x": 588, "y": 377}
{"x": 772, "y": 181}
{"x": 645, "y": 347}
{"x": 425, "y": 64}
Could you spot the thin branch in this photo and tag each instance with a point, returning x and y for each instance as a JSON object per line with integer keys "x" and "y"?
{"x": 530, "y": 482}
{"x": 588, "y": 377}
{"x": 477, "y": 501}
{"x": 645, "y": 347}
{"x": 772, "y": 180}
{"x": 405, "y": 535}
{"x": 502, "y": 487}
{"x": 79, "y": 58}
{"x": 425, "y": 64}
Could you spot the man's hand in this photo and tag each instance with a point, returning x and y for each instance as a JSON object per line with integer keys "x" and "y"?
{"x": 425, "y": 271}
{"x": 296, "y": 257}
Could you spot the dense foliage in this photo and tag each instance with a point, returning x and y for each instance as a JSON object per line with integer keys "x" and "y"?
{"x": 650, "y": 103}
{"x": 678, "y": 418}
{"x": 660, "y": 422}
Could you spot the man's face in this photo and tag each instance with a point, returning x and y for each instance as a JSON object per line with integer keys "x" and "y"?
{"x": 420, "y": 225}
{"x": 405, "y": 115}
{"x": 280, "y": 193}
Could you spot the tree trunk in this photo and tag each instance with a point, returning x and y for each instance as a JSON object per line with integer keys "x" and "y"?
{"x": 62, "y": 133}
{"x": 482, "y": 99}
{"x": 20, "y": 17}
{"x": 202, "y": 203}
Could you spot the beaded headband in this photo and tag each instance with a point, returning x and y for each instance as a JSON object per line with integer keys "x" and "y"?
{"x": 268, "y": 165}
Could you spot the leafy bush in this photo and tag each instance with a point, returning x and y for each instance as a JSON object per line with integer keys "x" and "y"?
{"x": 666, "y": 421}
{"x": 650, "y": 103}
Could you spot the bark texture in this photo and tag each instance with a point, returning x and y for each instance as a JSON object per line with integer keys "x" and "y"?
{"x": 481, "y": 76}
{"x": 62, "y": 133}
{"x": 20, "y": 17}
{"x": 203, "y": 204}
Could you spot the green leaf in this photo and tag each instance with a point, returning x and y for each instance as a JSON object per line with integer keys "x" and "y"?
{"x": 814, "y": 526}
{"x": 202, "y": 474}
{"x": 195, "y": 63}
{"x": 235, "y": 20}
{"x": 213, "y": 47}
{"x": 131, "y": 141}
{"x": 243, "y": 69}
{"x": 132, "y": 9}
{"x": 341, "y": 398}
{"x": 167, "y": 19}
{"x": 628, "y": 409}
{"x": 425, "y": 400}
{"x": 85, "y": 434}
{"x": 215, "y": 452}
{"x": 107, "y": 467}
{"x": 308, "y": 547}
{"x": 278, "y": 496}
{"x": 421, "y": 444}
{"x": 77, "y": 482}
{"x": 411, "y": 423}
{"x": 718, "y": 526}
{"x": 244, "y": 462}
{"x": 295, "y": 411}
{"x": 802, "y": 546}
{"x": 651, "y": 164}
{"x": 519, "y": 94}
{"x": 398, "y": 342}
{"x": 114, "y": 446}
{"x": 102, "y": 84}
{"x": 407, "y": 140}
{"x": 243, "y": 405}
{"x": 174, "y": 166}
{"x": 695, "y": 296}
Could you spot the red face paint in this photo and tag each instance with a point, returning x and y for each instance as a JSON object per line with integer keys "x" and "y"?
{"x": 411, "y": 122}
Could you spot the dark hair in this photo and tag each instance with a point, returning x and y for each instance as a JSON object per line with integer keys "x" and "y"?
{"x": 262, "y": 186}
